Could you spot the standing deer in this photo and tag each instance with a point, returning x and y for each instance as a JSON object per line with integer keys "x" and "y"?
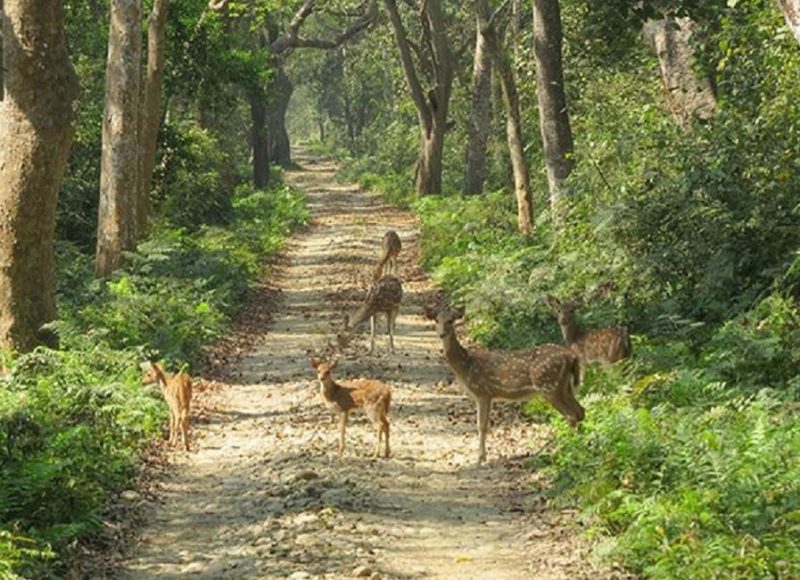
{"x": 383, "y": 297}
{"x": 390, "y": 248}
{"x": 604, "y": 345}
{"x": 374, "y": 397}
{"x": 177, "y": 391}
{"x": 549, "y": 370}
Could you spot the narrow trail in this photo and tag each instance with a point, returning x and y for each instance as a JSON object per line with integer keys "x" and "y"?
{"x": 264, "y": 493}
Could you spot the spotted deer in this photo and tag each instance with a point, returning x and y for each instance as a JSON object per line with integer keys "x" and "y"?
{"x": 374, "y": 397}
{"x": 390, "y": 248}
{"x": 383, "y": 298}
{"x": 177, "y": 391}
{"x": 549, "y": 370}
{"x": 603, "y": 345}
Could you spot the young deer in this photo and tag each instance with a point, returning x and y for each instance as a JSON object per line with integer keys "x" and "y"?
{"x": 548, "y": 370}
{"x": 604, "y": 345}
{"x": 390, "y": 248}
{"x": 178, "y": 393}
{"x": 374, "y": 397}
{"x": 383, "y": 297}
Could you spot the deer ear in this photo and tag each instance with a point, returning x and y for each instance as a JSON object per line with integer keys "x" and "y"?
{"x": 314, "y": 361}
{"x": 458, "y": 313}
{"x": 552, "y": 301}
{"x": 145, "y": 366}
{"x": 333, "y": 364}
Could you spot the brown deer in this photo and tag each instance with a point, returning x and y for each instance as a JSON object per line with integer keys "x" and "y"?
{"x": 390, "y": 248}
{"x": 177, "y": 391}
{"x": 374, "y": 397}
{"x": 549, "y": 370}
{"x": 383, "y": 297}
{"x": 603, "y": 345}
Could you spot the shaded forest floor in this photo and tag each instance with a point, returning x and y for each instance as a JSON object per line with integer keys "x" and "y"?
{"x": 264, "y": 493}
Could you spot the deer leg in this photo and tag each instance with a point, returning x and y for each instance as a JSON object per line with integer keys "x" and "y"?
{"x": 484, "y": 407}
{"x": 173, "y": 428}
{"x": 378, "y": 433}
{"x": 391, "y": 319}
{"x": 385, "y": 428}
{"x": 342, "y": 429}
{"x": 371, "y": 333}
{"x": 185, "y": 429}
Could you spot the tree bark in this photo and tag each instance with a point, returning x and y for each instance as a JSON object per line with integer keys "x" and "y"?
{"x": 688, "y": 96}
{"x": 119, "y": 173}
{"x": 791, "y": 12}
{"x": 281, "y": 91}
{"x": 480, "y": 116}
{"x": 516, "y": 146}
{"x": 36, "y": 129}
{"x": 553, "y": 114}
{"x": 432, "y": 106}
{"x": 151, "y": 112}
{"x": 259, "y": 139}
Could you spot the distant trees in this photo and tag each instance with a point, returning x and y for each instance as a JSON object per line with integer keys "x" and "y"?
{"x": 791, "y": 12}
{"x": 36, "y": 129}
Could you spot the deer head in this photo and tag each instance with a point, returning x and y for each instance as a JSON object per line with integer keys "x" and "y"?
{"x": 445, "y": 318}
{"x": 323, "y": 367}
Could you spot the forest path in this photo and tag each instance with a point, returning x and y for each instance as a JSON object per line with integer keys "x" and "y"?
{"x": 264, "y": 494}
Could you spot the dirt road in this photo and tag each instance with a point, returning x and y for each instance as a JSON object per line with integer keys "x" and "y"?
{"x": 264, "y": 493}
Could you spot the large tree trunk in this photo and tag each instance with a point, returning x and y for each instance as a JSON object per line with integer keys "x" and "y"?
{"x": 431, "y": 105}
{"x": 36, "y": 129}
{"x": 259, "y": 139}
{"x": 119, "y": 173}
{"x": 553, "y": 115}
{"x": 516, "y": 146}
{"x": 791, "y": 12}
{"x": 688, "y": 96}
{"x": 280, "y": 94}
{"x": 480, "y": 117}
{"x": 151, "y": 111}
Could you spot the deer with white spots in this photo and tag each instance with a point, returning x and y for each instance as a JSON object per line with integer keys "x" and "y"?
{"x": 383, "y": 298}
{"x": 374, "y": 397}
{"x": 603, "y": 345}
{"x": 390, "y": 248}
{"x": 549, "y": 370}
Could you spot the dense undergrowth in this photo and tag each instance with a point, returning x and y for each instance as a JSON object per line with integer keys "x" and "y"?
{"x": 73, "y": 421}
{"x": 688, "y": 463}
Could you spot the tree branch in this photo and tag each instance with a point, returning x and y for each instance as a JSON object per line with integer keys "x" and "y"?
{"x": 292, "y": 39}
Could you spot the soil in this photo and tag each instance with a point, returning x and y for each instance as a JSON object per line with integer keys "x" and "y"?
{"x": 264, "y": 493}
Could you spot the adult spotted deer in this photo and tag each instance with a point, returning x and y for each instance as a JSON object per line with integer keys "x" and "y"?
{"x": 390, "y": 248}
{"x": 177, "y": 391}
{"x": 549, "y": 370}
{"x": 374, "y": 397}
{"x": 383, "y": 297}
{"x": 603, "y": 345}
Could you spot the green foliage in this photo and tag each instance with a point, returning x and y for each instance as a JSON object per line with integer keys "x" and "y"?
{"x": 72, "y": 422}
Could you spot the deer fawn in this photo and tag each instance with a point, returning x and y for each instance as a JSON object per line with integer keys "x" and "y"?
{"x": 383, "y": 297}
{"x": 390, "y": 248}
{"x": 548, "y": 370}
{"x": 604, "y": 345}
{"x": 178, "y": 393}
{"x": 374, "y": 397}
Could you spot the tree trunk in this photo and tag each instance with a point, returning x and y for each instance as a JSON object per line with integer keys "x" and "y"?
{"x": 119, "y": 173}
{"x": 151, "y": 111}
{"x": 36, "y": 129}
{"x": 688, "y": 97}
{"x": 259, "y": 139}
{"x": 553, "y": 115}
{"x": 431, "y": 105}
{"x": 516, "y": 146}
{"x": 280, "y": 94}
{"x": 480, "y": 117}
{"x": 791, "y": 12}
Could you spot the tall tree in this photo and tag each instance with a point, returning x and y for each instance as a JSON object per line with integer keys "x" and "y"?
{"x": 36, "y": 129}
{"x": 151, "y": 111}
{"x": 553, "y": 114}
{"x": 791, "y": 12}
{"x": 432, "y": 105}
{"x": 480, "y": 115}
{"x": 688, "y": 95}
{"x": 119, "y": 176}
{"x": 516, "y": 147}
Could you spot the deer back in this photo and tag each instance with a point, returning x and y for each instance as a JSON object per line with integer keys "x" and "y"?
{"x": 607, "y": 345}
{"x": 384, "y": 295}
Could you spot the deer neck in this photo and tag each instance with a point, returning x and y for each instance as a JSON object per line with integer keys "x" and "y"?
{"x": 362, "y": 314}
{"x": 570, "y": 331}
{"x": 457, "y": 356}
